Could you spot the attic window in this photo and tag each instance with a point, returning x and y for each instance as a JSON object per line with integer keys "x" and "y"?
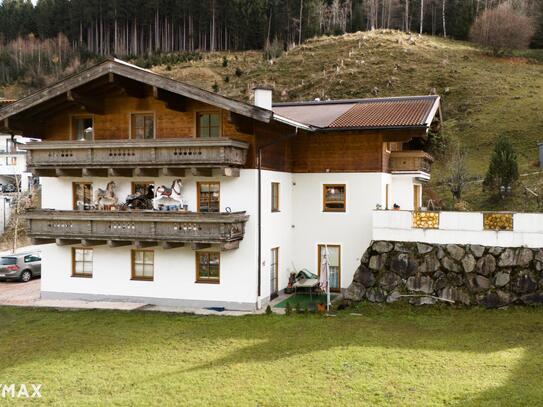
{"x": 82, "y": 128}
{"x": 143, "y": 126}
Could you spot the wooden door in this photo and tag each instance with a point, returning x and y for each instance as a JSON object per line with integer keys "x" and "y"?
{"x": 274, "y": 273}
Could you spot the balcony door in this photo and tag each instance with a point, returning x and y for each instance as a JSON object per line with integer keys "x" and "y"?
{"x": 334, "y": 261}
{"x": 82, "y": 128}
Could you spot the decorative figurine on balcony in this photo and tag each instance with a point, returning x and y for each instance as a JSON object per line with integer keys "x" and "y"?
{"x": 106, "y": 198}
{"x": 165, "y": 200}
{"x": 141, "y": 200}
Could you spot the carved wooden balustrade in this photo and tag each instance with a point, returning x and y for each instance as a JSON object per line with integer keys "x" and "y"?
{"x": 136, "y": 157}
{"x": 410, "y": 160}
{"x": 138, "y": 228}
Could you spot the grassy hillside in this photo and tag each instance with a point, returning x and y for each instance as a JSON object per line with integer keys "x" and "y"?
{"x": 483, "y": 96}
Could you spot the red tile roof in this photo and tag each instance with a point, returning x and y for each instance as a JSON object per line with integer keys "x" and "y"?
{"x": 412, "y": 111}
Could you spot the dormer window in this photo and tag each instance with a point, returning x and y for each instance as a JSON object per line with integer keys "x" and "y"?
{"x": 82, "y": 128}
{"x": 142, "y": 126}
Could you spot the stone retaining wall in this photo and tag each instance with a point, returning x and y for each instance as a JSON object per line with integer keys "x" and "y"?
{"x": 423, "y": 273}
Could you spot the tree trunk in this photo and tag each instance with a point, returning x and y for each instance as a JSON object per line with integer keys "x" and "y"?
{"x": 421, "y": 16}
{"x": 300, "y": 28}
{"x": 444, "y": 20}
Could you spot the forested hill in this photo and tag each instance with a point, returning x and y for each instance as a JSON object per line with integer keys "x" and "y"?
{"x": 142, "y": 27}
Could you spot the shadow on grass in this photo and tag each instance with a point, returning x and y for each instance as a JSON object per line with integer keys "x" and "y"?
{"x": 57, "y": 335}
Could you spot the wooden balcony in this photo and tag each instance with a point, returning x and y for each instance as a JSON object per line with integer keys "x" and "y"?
{"x": 410, "y": 161}
{"x": 136, "y": 157}
{"x": 138, "y": 228}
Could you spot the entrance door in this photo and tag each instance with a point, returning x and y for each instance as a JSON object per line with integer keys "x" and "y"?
{"x": 274, "y": 273}
{"x": 334, "y": 260}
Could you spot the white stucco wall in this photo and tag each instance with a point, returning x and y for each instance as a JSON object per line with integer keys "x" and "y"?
{"x": 297, "y": 230}
{"x": 459, "y": 228}
{"x": 175, "y": 269}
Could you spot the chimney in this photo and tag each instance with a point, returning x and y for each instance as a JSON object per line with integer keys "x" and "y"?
{"x": 263, "y": 97}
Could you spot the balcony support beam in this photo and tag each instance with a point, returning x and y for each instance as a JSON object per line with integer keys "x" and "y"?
{"x": 171, "y": 245}
{"x": 172, "y": 172}
{"x": 229, "y": 246}
{"x": 140, "y": 244}
{"x": 200, "y": 246}
{"x": 38, "y": 241}
{"x": 117, "y": 243}
{"x": 94, "y": 172}
{"x": 119, "y": 172}
{"x": 67, "y": 242}
{"x": 230, "y": 172}
{"x": 91, "y": 243}
{"x": 65, "y": 172}
{"x": 201, "y": 172}
{"x": 145, "y": 172}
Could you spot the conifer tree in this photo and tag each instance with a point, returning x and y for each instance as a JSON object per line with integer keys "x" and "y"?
{"x": 503, "y": 168}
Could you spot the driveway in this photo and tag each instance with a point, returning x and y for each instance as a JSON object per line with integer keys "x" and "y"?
{"x": 16, "y": 293}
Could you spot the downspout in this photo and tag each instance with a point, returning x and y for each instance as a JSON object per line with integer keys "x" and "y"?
{"x": 259, "y": 212}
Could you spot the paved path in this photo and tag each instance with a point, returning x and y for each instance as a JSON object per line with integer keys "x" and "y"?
{"x": 16, "y": 293}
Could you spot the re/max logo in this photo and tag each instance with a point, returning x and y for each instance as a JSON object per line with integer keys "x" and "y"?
{"x": 20, "y": 391}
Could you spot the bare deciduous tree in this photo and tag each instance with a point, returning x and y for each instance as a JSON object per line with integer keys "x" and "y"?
{"x": 503, "y": 28}
{"x": 458, "y": 175}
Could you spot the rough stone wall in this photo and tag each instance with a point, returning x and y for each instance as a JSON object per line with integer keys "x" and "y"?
{"x": 424, "y": 273}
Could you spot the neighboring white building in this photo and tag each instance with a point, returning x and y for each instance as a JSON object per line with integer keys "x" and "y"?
{"x": 266, "y": 188}
{"x": 13, "y": 163}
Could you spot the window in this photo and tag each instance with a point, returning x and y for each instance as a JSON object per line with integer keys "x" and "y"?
{"x": 416, "y": 196}
{"x": 143, "y": 265}
{"x": 141, "y": 187}
{"x": 334, "y": 198}
{"x": 208, "y": 196}
{"x": 388, "y": 147}
{"x": 82, "y": 193}
{"x": 275, "y": 196}
{"x": 11, "y": 160}
{"x": 274, "y": 273}
{"x": 81, "y": 262}
{"x": 82, "y": 128}
{"x": 32, "y": 258}
{"x": 333, "y": 254}
{"x": 209, "y": 125}
{"x": 11, "y": 147}
{"x": 208, "y": 267}
{"x": 142, "y": 126}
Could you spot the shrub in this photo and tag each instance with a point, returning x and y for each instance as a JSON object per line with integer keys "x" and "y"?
{"x": 239, "y": 72}
{"x": 215, "y": 87}
{"x": 503, "y": 28}
{"x": 269, "y": 310}
{"x": 226, "y": 79}
{"x": 298, "y": 308}
{"x": 273, "y": 50}
{"x": 224, "y": 62}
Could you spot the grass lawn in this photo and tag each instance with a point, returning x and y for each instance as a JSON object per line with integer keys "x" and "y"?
{"x": 385, "y": 356}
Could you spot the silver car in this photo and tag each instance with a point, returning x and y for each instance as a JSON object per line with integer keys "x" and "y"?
{"x": 20, "y": 266}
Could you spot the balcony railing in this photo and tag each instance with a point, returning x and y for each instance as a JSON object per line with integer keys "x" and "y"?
{"x": 136, "y": 157}
{"x": 410, "y": 161}
{"x": 138, "y": 228}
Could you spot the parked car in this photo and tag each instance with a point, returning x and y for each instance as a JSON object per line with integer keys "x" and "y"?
{"x": 9, "y": 188}
{"x": 20, "y": 266}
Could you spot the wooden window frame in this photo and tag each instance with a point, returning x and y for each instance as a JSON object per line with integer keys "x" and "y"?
{"x": 197, "y": 115}
{"x": 322, "y": 245}
{"x": 275, "y": 197}
{"x": 150, "y": 112}
{"x": 198, "y": 194}
{"x": 81, "y": 116}
{"x": 417, "y": 196}
{"x": 74, "y": 196}
{"x": 199, "y": 279}
{"x": 133, "y": 185}
{"x": 81, "y": 275}
{"x": 134, "y": 277}
{"x": 326, "y": 186}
